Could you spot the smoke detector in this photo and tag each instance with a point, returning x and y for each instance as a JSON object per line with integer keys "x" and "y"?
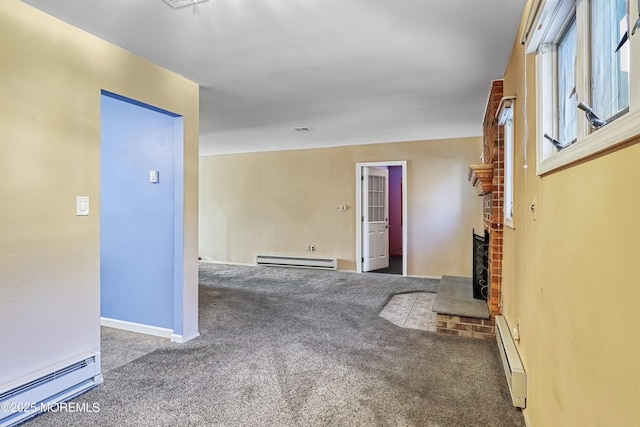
{"x": 181, "y": 3}
{"x": 302, "y": 129}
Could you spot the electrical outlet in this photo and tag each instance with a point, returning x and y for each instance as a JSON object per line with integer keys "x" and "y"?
{"x": 516, "y": 333}
{"x": 313, "y": 248}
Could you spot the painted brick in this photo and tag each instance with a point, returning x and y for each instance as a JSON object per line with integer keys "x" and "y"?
{"x": 446, "y": 331}
{"x": 483, "y": 329}
{"x": 467, "y": 327}
{"x": 462, "y": 327}
{"x": 493, "y": 211}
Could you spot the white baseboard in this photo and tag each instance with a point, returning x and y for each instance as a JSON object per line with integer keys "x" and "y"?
{"x": 136, "y": 327}
{"x": 525, "y": 415}
{"x": 181, "y": 339}
{"x": 211, "y": 261}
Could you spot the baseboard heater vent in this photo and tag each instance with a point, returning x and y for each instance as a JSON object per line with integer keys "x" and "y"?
{"x": 513, "y": 368}
{"x": 42, "y": 393}
{"x": 299, "y": 262}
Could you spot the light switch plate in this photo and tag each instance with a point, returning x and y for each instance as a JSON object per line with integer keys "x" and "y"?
{"x": 154, "y": 177}
{"x": 82, "y": 206}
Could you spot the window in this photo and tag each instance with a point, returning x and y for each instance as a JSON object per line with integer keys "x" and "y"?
{"x": 583, "y": 59}
{"x": 508, "y": 172}
{"x": 505, "y": 118}
{"x": 567, "y": 100}
{"x": 609, "y": 68}
{"x": 376, "y": 198}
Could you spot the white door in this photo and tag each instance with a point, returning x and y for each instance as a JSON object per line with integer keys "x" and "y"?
{"x": 375, "y": 218}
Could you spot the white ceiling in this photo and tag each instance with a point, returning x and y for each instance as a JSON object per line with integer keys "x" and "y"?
{"x": 354, "y": 71}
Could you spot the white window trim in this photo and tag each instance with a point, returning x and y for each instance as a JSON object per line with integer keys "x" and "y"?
{"x": 616, "y": 133}
{"x": 505, "y": 119}
{"x": 510, "y": 210}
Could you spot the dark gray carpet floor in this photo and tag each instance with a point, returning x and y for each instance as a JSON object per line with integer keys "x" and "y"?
{"x": 289, "y": 347}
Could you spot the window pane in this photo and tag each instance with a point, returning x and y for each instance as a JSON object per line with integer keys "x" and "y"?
{"x": 610, "y": 70}
{"x": 376, "y": 198}
{"x": 508, "y": 171}
{"x": 567, "y": 99}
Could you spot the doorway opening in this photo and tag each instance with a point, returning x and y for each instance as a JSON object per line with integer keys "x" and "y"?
{"x": 381, "y": 217}
{"x": 141, "y": 218}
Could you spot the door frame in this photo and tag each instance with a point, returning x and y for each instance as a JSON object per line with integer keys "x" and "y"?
{"x": 376, "y": 235}
{"x": 405, "y": 222}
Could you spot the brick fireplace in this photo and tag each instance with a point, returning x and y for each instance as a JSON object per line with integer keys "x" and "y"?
{"x": 488, "y": 179}
{"x": 457, "y": 313}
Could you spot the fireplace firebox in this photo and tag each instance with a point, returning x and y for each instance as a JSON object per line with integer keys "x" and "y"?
{"x": 481, "y": 265}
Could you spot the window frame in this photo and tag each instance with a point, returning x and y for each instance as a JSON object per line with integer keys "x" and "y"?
{"x": 555, "y": 82}
{"x": 589, "y": 36}
{"x": 549, "y": 20}
{"x": 509, "y": 171}
{"x": 505, "y": 116}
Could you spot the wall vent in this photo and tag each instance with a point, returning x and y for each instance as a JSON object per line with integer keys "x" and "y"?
{"x": 29, "y": 398}
{"x": 513, "y": 368}
{"x": 302, "y": 129}
{"x": 181, "y": 3}
{"x": 299, "y": 262}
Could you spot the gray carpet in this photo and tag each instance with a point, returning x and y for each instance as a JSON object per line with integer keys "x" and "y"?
{"x": 289, "y": 347}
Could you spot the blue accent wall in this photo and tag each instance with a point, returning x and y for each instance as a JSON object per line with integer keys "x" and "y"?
{"x": 138, "y": 223}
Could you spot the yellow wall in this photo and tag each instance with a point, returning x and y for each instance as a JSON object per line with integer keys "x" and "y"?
{"x": 571, "y": 278}
{"x": 278, "y": 202}
{"x": 51, "y": 75}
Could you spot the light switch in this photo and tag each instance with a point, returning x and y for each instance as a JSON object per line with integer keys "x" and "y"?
{"x": 82, "y": 206}
{"x": 154, "y": 177}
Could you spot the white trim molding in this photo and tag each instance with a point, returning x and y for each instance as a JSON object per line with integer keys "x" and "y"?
{"x": 136, "y": 327}
{"x": 622, "y": 130}
{"x": 547, "y": 20}
{"x": 405, "y": 222}
{"x": 180, "y": 339}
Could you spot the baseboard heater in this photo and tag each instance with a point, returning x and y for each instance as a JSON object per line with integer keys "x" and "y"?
{"x": 299, "y": 262}
{"x": 513, "y": 368}
{"x": 43, "y": 392}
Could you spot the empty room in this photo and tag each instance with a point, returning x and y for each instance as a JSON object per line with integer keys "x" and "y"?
{"x": 336, "y": 213}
